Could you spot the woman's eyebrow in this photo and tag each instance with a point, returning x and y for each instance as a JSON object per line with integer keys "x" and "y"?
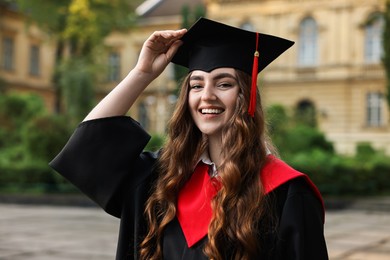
{"x": 224, "y": 75}
{"x": 216, "y": 77}
{"x": 196, "y": 77}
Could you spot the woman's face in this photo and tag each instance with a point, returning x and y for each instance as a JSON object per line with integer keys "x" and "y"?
{"x": 212, "y": 99}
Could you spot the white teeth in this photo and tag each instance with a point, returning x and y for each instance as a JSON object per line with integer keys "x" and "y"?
{"x": 211, "y": 111}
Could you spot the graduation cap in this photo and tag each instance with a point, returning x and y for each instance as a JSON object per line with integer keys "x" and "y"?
{"x": 208, "y": 45}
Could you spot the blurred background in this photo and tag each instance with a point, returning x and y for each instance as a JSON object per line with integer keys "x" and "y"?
{"x": 326, "y": 99}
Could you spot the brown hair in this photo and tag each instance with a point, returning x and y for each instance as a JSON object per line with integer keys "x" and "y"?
{"x": 238, "y": 205}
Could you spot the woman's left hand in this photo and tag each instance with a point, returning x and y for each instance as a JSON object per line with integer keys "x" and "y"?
{"x": 158, "y": 50}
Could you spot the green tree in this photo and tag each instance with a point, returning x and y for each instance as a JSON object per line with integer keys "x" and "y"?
{"x": 386, "y": 48}
{"x": 77, "y": 81}
{"x": 292, "y": 137}
{"x": 3, "y": 85}
{"x": 80, "y": 26}
{"x": 15, "y": 111}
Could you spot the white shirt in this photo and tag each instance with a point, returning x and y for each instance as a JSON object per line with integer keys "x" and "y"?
{"x": 205, "y": 158}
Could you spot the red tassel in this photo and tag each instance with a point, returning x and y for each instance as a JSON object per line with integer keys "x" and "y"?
{"x": 252, "y": 101}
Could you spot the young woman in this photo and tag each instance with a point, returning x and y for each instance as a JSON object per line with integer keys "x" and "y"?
{"x": 213, "y": 191}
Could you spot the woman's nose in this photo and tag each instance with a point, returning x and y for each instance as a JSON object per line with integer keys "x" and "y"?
{"x": 208, "y": 93}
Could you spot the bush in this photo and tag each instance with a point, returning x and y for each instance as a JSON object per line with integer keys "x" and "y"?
{"x": 15, "y": 111}
{"x": 340, "y": 175}
{"x": 292, "y": 137}
{"x": 31, "y": 176}
{"x": 29, "y": 139}
{"x": 155, "y": 143}
{"x": 3, "y": 85}
{"x": 306, "y": 149}
{"x": 44, "y": 136}
{"x": 302, "y": 138}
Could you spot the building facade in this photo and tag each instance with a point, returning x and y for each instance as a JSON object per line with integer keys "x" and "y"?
{"x": 334, "y": 68}
{"x": 26, "y": 56}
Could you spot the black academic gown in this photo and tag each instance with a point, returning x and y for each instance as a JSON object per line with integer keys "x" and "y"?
{"x": 104, "y": 158}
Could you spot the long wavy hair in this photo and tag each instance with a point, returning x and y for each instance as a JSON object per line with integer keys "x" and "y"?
{"x": 240, "y": 202}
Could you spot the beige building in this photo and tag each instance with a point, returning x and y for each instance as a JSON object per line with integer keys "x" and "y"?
{"x": 334, "y": 66}
{"x": 26, "y": 55}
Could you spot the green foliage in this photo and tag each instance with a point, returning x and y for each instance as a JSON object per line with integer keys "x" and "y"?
{"x": 49, "y": 15}
{"x": 29, "y": 138}
{"x": 15, "y": 111}
{"x": 3, "y": 85}
{"x": 365, "y": 150}
{"x": 57, "y": 16}
{"x": 77, "y": 84}
{"x": 304, "y": 138}
{"x": 5, "y": 2}
{"x": 291, "y": 136}
{"x": 306, "y": 116}
{"x": 31, "y": 176}
{"x": 44, "y": 136}
{"x": 155, "y": 143}
{"x": 342, "y": 175}
{"x": 386, "y": 48}
{"x": 199, "y": 11}
{"x": 21, "y": 107}
{"x": 306, "y": 149}
{"x": 278, "y": 118}
{"x": 82, "y": 26}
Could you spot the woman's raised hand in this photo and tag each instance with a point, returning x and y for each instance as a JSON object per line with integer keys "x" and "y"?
{"x": 155, "y": 55}
{"x": 158, "y": 50}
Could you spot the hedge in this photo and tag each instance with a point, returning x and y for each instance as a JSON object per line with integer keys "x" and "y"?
{"x": 32, "y": 177}
{"x": 337, "y": 175}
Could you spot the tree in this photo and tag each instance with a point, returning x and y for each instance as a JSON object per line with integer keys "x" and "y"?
{"x": 386, "y": 48}
{"x": 188, "y": 17}
{"x": 80, "y": 26}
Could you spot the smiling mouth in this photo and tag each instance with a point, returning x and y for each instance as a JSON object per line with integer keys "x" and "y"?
{"x": 211, "y": 111}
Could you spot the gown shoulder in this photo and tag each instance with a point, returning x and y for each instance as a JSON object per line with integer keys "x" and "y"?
{"x": 104, "y": 157}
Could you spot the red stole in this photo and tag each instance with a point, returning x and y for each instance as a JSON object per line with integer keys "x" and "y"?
{"x": 193, "y": 206}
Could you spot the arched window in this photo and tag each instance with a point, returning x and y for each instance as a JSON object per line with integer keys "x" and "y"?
{"x": 308, "y": 42}
{"x": 373, "y": 39}
{"x": 305, "y": 113}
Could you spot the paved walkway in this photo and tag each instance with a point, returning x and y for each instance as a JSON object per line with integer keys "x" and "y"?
{"x": 64, "y": 233}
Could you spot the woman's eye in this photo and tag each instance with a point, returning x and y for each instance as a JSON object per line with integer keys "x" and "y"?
{"x": 225, "y": 85}
{"x": 196, "y": 86}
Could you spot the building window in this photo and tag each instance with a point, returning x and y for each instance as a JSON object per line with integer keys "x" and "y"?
{"x": 375, "y": 106}
{"x": 114, "y": 67}
{"x": 308, "y": 34}
{"x": 373, "y": 49}
{"x": 34, "y": 60}
{"x": 305, "y": 113}
{"x": 7, "y": 62}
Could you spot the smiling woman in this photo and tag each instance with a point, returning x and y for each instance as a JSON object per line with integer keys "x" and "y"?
{"x": 214, "y": 191}
{"x": 212, "y": 100}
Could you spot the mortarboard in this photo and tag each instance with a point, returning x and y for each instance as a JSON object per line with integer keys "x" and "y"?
{"x": 208, "y": 45}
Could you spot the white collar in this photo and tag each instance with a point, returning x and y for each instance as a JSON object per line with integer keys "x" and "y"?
{"x": 205, "y": 158}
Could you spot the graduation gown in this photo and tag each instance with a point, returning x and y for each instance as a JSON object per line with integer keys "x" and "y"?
{"x": 104, "y": 158}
